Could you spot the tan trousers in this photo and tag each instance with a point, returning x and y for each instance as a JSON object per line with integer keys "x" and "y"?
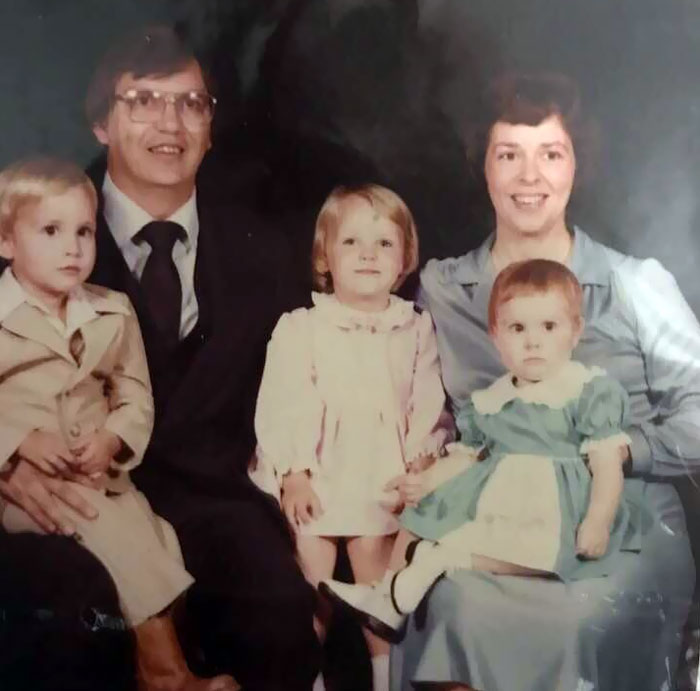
{"x": 139, "y": 549}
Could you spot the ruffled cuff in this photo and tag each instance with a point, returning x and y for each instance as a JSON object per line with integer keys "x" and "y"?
{"x": 610, "y": 443}
{"x": 457, "y": 448}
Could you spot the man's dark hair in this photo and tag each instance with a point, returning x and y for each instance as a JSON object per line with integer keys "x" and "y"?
{"x": 151, "y": 51}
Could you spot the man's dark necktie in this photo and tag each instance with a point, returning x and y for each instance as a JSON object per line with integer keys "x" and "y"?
{"x": 160, "y": 281}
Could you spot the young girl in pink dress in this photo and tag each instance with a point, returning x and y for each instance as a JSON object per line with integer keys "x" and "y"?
{"x": 351, "y": 394}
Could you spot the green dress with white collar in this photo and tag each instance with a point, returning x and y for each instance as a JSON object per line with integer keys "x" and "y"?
{"x": 559, "y": 419}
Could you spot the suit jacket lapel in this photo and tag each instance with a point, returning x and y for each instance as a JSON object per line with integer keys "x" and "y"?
{"x": 221, "y": 302}
{"x": 26, "y": 321}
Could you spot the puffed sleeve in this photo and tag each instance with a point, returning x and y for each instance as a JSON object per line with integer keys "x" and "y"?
{"x": 601, "y": 415}
{"x": 429, "y": 425}
{"x": 669, "y": 337}
{"x": 470, "y": 434}
{"x": 289, "y": 412}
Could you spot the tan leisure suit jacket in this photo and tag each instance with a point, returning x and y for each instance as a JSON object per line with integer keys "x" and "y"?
{"x": 98, "y": 378}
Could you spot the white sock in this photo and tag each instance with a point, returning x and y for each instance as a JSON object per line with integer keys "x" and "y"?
{"x": 380, "y": 673}
{"x": 318, "y": 683}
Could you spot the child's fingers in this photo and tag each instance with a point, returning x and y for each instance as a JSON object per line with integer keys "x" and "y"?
{"x": 395, "y": 483}
{"x": 315, "y": 506}
{"x": 303, "y": 513}
{"x": 58, "y": 463}
{"x": 288, "y": 508}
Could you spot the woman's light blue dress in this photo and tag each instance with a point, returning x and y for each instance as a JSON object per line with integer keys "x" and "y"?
{"x": 619, "y": 633}
{"x": 556, "y": 422}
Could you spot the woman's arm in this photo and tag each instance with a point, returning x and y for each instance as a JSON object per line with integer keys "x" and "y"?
{"x": 669, "y": 338}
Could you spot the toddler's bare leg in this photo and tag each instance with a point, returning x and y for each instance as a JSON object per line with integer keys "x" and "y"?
{"x": 397, "y": 560}
{"x": 317, "y": 557}
{"x": 369, "y": 556}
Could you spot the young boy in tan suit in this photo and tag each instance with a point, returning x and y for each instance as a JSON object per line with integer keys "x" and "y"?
{"x": 75, "y": 402}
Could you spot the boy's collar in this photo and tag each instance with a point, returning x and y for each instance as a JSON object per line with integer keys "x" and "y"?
{"x": 81, "y": 298}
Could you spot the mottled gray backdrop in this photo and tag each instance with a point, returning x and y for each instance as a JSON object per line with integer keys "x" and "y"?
{"x": 314, "y": 92}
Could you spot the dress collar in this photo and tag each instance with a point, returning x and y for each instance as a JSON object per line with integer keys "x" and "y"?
{"x": 555, "y": 392}
{"x": 82, "y": 307}
{"x": 399, "y": 313}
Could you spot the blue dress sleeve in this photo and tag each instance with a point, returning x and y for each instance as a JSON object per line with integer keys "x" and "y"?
{"x": 469, "y": 431}
{"x": 601, "y": 414}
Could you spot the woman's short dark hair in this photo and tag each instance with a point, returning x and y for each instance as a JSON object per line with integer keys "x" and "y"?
{"x": 150, "y": 51}
{"x": 528, "y": 99}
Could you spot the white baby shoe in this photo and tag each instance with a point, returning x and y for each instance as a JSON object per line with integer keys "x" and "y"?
{"x": 371, "y": 605}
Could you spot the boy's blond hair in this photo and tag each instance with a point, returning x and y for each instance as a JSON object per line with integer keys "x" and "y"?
{"x": 30, "y": 179}
{"x": 535, "y": 276}
{"x": 386, "y": 203}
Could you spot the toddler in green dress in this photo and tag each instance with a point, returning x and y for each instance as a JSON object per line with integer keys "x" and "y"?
{"x": 535, "y": 485}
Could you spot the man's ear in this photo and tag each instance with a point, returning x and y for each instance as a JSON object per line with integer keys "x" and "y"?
{"x": 100, "y": 131}
{"x": 7, "y": 247}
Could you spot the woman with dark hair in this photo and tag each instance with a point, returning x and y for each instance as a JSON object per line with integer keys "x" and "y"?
{"x": 478, "y": 630}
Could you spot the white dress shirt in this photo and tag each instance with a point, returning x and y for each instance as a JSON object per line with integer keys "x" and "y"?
{"x": 125, "y": 219}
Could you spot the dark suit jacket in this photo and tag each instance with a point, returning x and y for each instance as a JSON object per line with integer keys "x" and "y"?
{"x": 203, "y": 438}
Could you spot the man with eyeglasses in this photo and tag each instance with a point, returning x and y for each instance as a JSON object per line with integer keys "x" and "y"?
{"x": 208, "y": 285}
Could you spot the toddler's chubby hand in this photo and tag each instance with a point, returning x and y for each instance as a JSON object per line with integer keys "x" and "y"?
{"x": 97, "y": 452}
{"x": 592, "y": 538}
{"x": 411, "y": 487}
{"x": 47, "y": 452}
{"x": 299, "y": 501}
{"x": 391, "y": 501}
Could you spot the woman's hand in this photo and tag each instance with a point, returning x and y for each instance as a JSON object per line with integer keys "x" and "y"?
{"x": 47, "y": 452}
{"x": 592, "y": 538}
{"x": 96, "y": 455}
{"x": 299, "y": 501}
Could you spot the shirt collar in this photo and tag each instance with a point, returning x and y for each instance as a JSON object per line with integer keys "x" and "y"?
{"x": 125, "y": 217}
{"x": 83, "y": 305}
{"x": 588, "y": 262}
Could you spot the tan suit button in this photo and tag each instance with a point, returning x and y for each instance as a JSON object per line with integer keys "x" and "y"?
{"x": 74, "y": 431}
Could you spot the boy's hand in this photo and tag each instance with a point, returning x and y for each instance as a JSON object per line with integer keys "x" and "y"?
{"x": 411, "y": 487}
{"x": 47, "y": 452}
{"x": 592, "y": 538}
{"x": 96, "y": 454}
{"x": 299, "y": 501}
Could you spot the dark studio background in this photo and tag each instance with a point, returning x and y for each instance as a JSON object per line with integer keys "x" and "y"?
{"x": 317, "y": 92}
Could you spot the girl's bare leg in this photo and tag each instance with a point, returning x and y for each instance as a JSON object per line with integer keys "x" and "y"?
{"x": 317, "y": 556}
{"x": 397, "y": 560}
{"x": 369, "y": 556}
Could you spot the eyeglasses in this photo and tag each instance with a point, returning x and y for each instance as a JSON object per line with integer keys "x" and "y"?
{"x": 195, "y": 108}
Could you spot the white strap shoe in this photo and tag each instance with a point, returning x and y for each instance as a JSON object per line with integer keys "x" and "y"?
{"x": 371, "y": 605}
